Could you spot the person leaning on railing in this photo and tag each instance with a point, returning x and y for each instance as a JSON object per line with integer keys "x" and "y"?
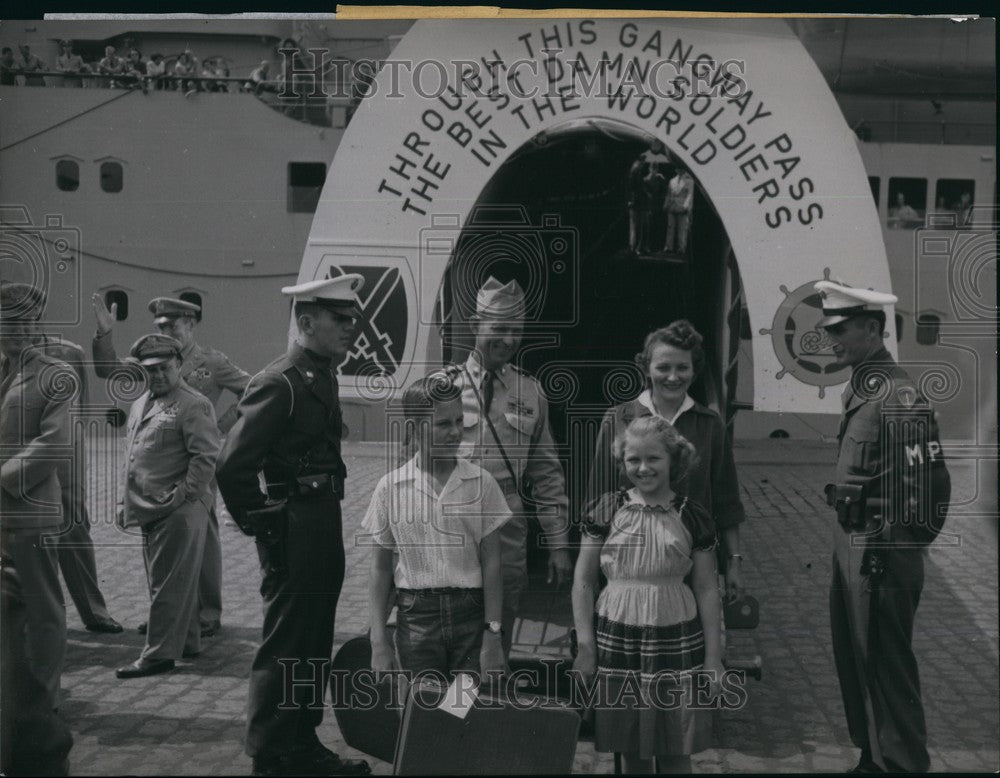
{"x": 156, "y": 70}
{"x": 70, "y": 64}
{"x": 8, "y": 67}
{"x": 113, "y": 66}
{"x": 186, "y": 70}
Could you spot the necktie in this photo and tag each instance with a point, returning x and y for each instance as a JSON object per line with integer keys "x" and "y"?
{"x": 487, "y": 392}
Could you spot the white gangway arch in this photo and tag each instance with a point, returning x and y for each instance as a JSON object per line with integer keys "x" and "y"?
{"x": 738, "y": 101}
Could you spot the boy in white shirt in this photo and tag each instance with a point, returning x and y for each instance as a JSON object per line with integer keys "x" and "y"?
{"x": 440, "y": 515}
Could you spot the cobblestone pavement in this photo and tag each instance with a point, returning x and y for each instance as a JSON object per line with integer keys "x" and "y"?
{"x": 190, "y": 722}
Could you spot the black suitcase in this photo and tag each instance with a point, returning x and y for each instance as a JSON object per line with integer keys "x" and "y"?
{"x": 365, "y": 711}
{"x": 502, "y": 733}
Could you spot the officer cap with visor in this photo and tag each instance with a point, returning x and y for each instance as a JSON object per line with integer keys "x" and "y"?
{"x": 842, "y": 302}
{"x": 154, "y": 349}
{"x": 335, "y": 294}
{"x": 164, "y": 309}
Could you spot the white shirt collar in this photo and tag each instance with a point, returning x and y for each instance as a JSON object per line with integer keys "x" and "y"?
{"x": 411, "y": 471}
{"x": 646, "y": 400}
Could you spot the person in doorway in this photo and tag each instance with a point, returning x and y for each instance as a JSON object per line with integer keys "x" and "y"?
{"x": 679, "y": 202}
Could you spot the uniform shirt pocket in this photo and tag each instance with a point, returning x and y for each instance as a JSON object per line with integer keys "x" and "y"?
{"x": 163, "y": 431}
{"x": 523, "y": 423}
{"x": 863, "y": 438}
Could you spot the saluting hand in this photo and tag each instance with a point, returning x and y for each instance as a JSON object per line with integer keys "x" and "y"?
{"x": 560, "y": 566}
{"x": 105, "y": 318}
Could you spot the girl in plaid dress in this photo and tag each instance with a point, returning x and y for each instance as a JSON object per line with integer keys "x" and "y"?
{"x": 654, "y": 631}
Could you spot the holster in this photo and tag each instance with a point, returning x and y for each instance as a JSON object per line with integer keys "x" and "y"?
{"x": 855, "y": 511}
{"x": 270, "y": 528}
{"x": 849, "y": 502}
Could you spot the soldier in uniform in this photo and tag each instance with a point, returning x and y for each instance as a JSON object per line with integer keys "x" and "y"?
{"x": 289, "y": 427}
{"x": 76, "y": 549}
{"x": 210, "y": 372}
{"x": 507, "y": 434}
{"x": 171, "y": 446}
{"x": 891, "y": 495}
{"x": 35, "y": 436}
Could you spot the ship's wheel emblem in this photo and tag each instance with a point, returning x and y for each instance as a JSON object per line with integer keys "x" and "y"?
{"x": 803, "y": 350}
{"x": 378, "y": 348}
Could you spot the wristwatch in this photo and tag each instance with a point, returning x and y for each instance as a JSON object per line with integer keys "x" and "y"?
{"x": 494, "y": 626}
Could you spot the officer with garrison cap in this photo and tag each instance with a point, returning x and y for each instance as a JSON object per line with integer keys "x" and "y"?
{"x": 507, "y": 433}
{"x": 171, "y": 445}
{"x": 891, "y": 494}
{"x": 289, "y": 428}
{"x": 206, "y": 370}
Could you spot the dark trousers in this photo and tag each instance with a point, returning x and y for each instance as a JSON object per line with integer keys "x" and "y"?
{"x": 292, "y": 666}
{"x": 873, "y": 651}
{"x": 439, "y": 631}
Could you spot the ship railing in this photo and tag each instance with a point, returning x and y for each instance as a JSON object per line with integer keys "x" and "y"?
{"x": 303, "y": 104}
{"x": 927, "y": 131}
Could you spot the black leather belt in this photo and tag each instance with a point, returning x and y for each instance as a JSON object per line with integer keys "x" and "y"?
{"x": 313, "y": 485}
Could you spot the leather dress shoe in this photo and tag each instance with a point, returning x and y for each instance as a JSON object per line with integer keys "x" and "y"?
{"x": 142, "y": 628}
{"x": 190, "y": 654}
{"x": 210, "y": 629}
{"x": 109, "y": 627}
{"x": 140, "y": 668}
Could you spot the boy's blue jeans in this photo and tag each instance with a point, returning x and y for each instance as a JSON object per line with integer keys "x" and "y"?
{"x": 440, "y": 630}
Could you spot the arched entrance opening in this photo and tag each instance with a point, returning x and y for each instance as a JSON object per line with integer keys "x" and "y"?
{"x": 556, "y": 217}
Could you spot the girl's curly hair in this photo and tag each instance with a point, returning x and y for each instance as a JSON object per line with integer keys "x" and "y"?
{"x": 683, "y": 456}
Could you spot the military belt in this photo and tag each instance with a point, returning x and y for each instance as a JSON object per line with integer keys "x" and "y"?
{"x": 309, "y": 486}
